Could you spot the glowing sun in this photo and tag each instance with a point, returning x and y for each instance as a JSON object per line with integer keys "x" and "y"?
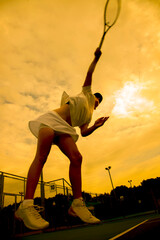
{"x": 129, "y": 101}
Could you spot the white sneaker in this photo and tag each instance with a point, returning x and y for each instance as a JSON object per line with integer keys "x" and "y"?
{"x": 30, "y": 216}
{"x": 79, "y": 209}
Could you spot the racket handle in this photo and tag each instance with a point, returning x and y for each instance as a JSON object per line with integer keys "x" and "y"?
{"x": 98, "y": 53}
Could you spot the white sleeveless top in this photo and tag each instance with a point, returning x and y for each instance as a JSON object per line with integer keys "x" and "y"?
{"x": 81, "y": 106}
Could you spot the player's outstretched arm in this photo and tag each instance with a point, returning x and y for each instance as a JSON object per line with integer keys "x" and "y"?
{"x": 85, "y": 130}
{"x": 88, "y": 79}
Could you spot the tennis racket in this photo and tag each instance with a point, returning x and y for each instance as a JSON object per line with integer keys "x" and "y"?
{"x": 111, "y": 14}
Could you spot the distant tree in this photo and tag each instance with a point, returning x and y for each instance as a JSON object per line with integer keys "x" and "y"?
{"x": 152, "y": 185}
{"x": 121, "y": 191}
{"x": 86, "y": 196}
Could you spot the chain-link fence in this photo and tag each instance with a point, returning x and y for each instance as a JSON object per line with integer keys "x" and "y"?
{"x": 54, "y": 195}
{"x": 12, "y": 188}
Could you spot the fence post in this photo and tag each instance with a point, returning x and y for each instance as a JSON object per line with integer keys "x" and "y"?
{"x": 63, "y": 187}
{"x": 1, "y": 190}
{"x": 42, "y": 194}
{"x": 24, "y": 186}
{"x": 67, "y": 191}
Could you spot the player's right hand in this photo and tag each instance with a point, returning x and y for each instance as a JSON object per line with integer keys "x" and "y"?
{"x": 97, "y": 53}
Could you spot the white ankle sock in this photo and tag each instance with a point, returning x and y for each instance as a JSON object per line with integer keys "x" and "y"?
{"x": 28, "y": 202}
{"x": 81, "y": 198}
{"x": 77, "y": 199}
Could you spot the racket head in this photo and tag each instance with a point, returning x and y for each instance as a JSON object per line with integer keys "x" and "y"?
{"x": 111, "y": 13}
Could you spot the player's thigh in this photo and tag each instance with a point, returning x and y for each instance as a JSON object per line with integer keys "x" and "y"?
{"x": 69, "y": 148}
{"x": 45, "y": 140}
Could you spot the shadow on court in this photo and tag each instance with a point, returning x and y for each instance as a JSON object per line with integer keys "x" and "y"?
{"x": 137, "y": 227}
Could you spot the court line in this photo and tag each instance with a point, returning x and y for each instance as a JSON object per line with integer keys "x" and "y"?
{"x": 119, "y": 235}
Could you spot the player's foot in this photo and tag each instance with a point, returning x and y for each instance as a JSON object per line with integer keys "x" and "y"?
{"x": 79, "y": 209}
{"x": 31, "y": 217}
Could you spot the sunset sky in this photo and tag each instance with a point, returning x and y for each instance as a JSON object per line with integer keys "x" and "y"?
{"x": 46, "y": 47}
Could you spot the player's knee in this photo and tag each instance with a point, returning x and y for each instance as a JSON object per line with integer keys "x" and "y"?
{"x": 76, "y": 159}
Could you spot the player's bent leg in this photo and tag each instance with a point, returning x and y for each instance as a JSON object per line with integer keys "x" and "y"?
{"x": 78, "y": 207}
{"x": 69, "y": 148}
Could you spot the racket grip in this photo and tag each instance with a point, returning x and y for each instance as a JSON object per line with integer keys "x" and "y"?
{"x": 98, "y": 53}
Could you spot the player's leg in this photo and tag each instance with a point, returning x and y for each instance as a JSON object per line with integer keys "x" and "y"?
{"x": 26, "y": 211}
{"x": 69, "y": 148}
{"x": 78, "y": 208}
{"x": 45, "y": 140}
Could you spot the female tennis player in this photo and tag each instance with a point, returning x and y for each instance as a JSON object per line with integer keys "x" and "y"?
{"x": 57, "y": 127}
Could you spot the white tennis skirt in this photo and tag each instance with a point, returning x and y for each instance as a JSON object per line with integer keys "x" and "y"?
{"x": 53, "y": 120}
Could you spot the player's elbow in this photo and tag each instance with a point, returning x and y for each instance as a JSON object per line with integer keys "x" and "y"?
{"x": 84, "y": 130}
{"x": 83, "y": 134}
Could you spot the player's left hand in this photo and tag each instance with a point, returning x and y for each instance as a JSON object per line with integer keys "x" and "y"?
{"x": 100, "y": 121}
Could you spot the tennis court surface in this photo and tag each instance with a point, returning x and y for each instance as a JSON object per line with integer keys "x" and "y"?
{"x": 133, "y": 227}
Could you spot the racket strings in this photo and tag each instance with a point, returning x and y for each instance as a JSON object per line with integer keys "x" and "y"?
{"x": 111, "y": 12}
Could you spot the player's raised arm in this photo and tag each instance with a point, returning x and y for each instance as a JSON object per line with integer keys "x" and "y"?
{"x": 88, "y": 79}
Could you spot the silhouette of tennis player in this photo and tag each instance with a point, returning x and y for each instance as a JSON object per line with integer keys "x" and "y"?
{"x": 57, "y": 127}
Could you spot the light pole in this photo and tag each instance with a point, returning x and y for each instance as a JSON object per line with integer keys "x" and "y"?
{"x": 130, "y": 181}
{"x": 111, "y": 180}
